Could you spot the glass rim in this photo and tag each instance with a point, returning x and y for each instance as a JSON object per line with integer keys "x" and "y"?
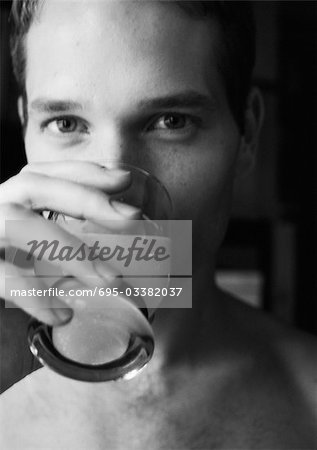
{"x": 119, "y": 164}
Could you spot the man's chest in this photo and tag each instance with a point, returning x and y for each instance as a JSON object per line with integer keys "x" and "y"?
{"x": 201, "y": 421}
{"x": 199, "y": 415}
{"x": 173, "y": 428}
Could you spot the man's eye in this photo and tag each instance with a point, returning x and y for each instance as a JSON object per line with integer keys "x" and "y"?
{"x": 66, "y": 125}
{"x": 172, "y": 122}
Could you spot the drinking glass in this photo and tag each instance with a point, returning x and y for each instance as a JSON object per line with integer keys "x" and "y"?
{"x": 110, "y": 335}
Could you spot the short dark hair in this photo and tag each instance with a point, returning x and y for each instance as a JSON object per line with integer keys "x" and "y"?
{"x": 237, "y": 55}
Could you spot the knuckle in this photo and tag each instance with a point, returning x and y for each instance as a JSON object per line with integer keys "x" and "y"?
{"x": 26, "y": 168}
{"x": 26, "y": 178}
{"x": 30, "y": 181}
{"x": 34, "y": 167}
{"x": 17, "y": 186}
{"x": 11, "y": 210}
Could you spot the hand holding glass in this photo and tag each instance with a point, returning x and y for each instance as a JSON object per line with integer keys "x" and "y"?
{"x": 109, "y": 336}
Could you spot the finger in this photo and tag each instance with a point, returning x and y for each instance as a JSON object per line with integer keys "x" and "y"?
{"x": 41, "y": 192}
{"x": 83, "y": 172}
{"x": 46, "y": 241}
{"x": 21, "y": 290}
{"x": 78, "y": 297}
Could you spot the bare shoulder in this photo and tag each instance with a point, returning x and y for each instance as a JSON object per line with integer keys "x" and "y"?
{"x": 21, "y": 407}
{"x": 298, "y": 349}
{"x": 282, "y": 375}
{"x": 43, "y": 411}
{"x": 16, "y": 409}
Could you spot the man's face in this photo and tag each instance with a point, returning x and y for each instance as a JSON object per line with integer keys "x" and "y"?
{"x": 137, "y": 82}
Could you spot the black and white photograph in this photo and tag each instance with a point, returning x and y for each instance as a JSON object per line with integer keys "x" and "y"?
{"x": 158, "y": 225}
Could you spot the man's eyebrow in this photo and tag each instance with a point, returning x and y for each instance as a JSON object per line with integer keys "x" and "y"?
{"x": 187, "y": 99}
{"x": 55, "y": 106}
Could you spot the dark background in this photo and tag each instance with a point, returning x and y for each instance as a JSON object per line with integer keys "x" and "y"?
{"x": 272, "y": 238}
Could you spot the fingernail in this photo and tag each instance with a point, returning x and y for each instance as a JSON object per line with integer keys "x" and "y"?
{"x": 128, "y": 211}
{"x": 119, "y": 172}
{"x": 63, "y": 314}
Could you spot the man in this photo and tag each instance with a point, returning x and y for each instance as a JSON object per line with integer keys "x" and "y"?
{"x": 164, "y": 86}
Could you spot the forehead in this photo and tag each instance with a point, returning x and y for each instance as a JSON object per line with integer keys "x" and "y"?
{"x": 84, "y": 44}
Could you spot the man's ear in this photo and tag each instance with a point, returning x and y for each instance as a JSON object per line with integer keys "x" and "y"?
{"x": 22, "y": 111}
{"x": 253, "y": 120}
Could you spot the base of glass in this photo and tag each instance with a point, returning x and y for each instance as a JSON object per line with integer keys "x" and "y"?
{"x": 139, "y": 352}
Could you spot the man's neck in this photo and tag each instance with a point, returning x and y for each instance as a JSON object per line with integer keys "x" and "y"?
{"x": 179, "y": 332}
